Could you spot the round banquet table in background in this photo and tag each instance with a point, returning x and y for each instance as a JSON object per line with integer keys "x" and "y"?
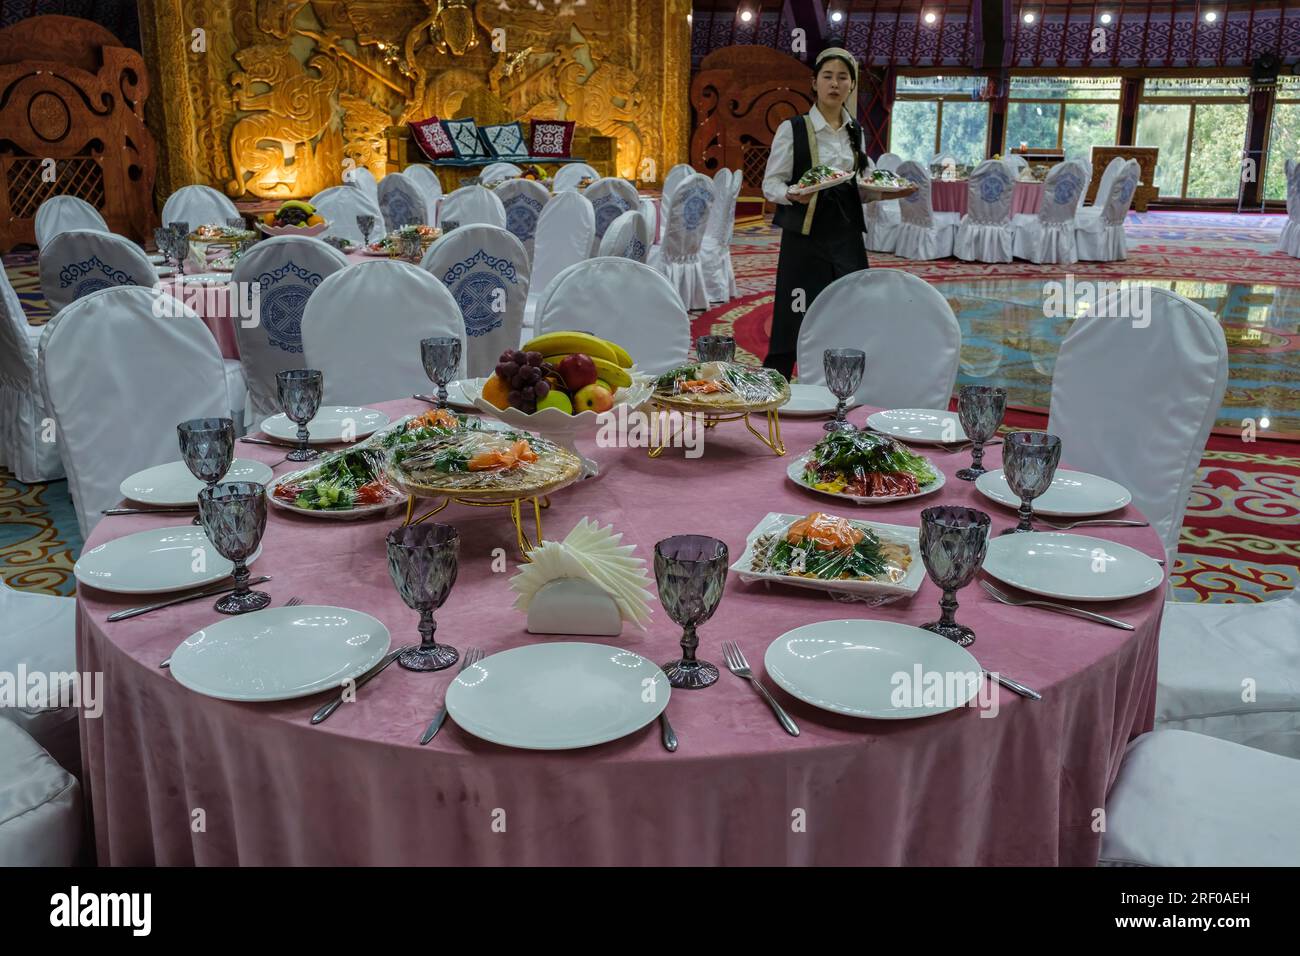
{"x": 950, "y": 195}
{"x": 957, "y": 788}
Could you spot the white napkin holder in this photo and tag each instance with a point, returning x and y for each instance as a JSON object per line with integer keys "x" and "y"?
{"x": 574, "y": 606}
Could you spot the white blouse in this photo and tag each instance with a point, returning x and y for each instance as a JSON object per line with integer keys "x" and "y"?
{"x": 833, "y": 149}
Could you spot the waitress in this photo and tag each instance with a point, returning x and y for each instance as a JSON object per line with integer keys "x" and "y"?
{"x": 822, "y": 233}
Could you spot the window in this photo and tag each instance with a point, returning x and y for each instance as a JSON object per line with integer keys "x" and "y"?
{"x": 933, "y": 114}
{"x": 1199, "y": 126}
{"x": 1072, "y": 113}
{"x": 1283, "y": 136}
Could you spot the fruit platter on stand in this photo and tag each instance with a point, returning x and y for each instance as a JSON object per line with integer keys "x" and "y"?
{"x": 724, "y": 392}
{"x": 481, "y": 468}
{"x": 561, "y": 385}
{"x": 294, "y": 218}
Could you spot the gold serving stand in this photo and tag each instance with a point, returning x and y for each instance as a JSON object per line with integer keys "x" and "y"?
{"x": 715, "y": 413}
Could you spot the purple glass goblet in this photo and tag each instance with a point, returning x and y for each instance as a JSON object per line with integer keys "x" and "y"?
{"x": 1029, "y": 461}
{"x": 691, "y": 571}
{"x": 980, "y": 408}
{"x": 953, "y": 542}
{"x": 423, "y": 560}
{"x": 234, "y": 519}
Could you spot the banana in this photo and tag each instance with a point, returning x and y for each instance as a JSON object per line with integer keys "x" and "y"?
{"x": 565, "y": 343}
{"x": 299, "y": 204}
{"x": 611, "y": 372}
{"x": 620, "y": 354}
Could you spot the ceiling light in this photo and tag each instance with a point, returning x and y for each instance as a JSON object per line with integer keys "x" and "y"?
{"x": 930, "y": 17}
{"x": 746, "y": 16}
{"x": 1029, "y": 18}
{"x": 1211, "y": 16}
{"x": 836, "y": 17}
{"x": 1106, "y": 18}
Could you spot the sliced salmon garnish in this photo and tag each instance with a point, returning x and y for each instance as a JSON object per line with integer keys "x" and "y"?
{"x": 826, "y": 531}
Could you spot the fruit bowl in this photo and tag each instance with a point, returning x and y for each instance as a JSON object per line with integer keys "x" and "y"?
{"x": 315, "y": 230}
{"x": 564, "y": 428}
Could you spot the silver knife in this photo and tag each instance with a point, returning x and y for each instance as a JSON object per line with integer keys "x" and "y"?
{"x": 1016, "y": 686}
{"x": 209, "y": 592}
{"x": 150, "y": 511}
{"x": 364, "y": 679}
{"x": 669, "y": 737}
{"x": 261, "y": 441}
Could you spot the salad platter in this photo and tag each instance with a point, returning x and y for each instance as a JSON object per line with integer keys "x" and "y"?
{"x": 864, "y": 468}
{"x": 829, "y": 553}
{"x": 884, "y": 181}
{"x": 391, "y": 244}
{"x": 818, "y": 178}
{"x": 724, "y": 391}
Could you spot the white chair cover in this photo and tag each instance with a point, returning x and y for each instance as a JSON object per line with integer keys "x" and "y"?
{"x": 905, "y": 326}
{"x": 923, "y": 233}
{"x": 568, "y": 177}
{"x": 340, "y": 205}
{"x": 402, "y": 202}
{"x": 1208, "y": 650}
{"x": 1083, "y": 193}
{"x": 1184, "y": 799}
{"x": 426, "y": 181}
{"x": 470, "y": 205}
{"x": 1099, "y": 230}
{"x": 40, "y": 804}
{"x": 1048, "y": 236}
{"x": 676, "y": 176}
{"x": 627, "y": 238}
{"x": 623, "y": 301}
{"x": 64, "y": 213}
{"x": 650, "y": 213}
{"x": 363, "y": 325}
{"x": 39, "y": 633}
{"x": 984, "y": 234}
{"x": 1108, "y": 176}
{"x": 610, "y": 198}
{"x": 889, "y": 162}
{"x": 364, "y": 178}
{"x": 564, "y": 232}
{"x": 496, "y": 172}
{"x": 1289, "y": 241}
{"x": 1105, "y": 373}
{"x": 884, "y": 218}
{"x": 286, "y": 270}
{"x": 77, "y": 263}
{"x": 715, "y": 253}
{"x": 678, "y": 256}
{"x": 1016, "y": 162}
{"x": 23, "y": 449}
{"x": 199, "y": 206}
{"x": 142, "y": 355}
{"x": 486, "y": 271}
{"x": 523, "y": 200}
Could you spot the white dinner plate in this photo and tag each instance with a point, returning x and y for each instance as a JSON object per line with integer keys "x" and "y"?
{"x": 878, "y": 669}
{"x": 329, "y": 425}
{"x": 165, "y": 272}
{"x": 558, "y": 696}
{"x": 795, "y": 473}
{"x": 173, "y": 484}
{"x": 1073, "y": 494}
{"x": 908, "y": 585}
{"x": 279, "y": 653}
{"x": 1073, "y": 567}
{"x": 461, "y": 393}
{"x": 207, "y": 278}
{"x": 922, "y": 426}
{"x": 810, "y": 401}
{"x": 154, "y": 562}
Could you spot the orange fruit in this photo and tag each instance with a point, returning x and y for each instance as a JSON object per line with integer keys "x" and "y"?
{"x": 496, "y": 391}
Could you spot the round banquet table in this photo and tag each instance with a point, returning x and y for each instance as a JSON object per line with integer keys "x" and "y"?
{"x": 950, "y": 195}
{"x": 956, "y": 788}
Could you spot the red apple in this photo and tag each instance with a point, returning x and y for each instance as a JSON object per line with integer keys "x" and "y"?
{"x": 578, "y": 371}
{"x": 592, "y": 397}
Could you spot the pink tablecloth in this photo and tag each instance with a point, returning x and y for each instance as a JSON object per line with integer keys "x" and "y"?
{"x": 1020, "y": 788}
{"x": 950, "y": 196}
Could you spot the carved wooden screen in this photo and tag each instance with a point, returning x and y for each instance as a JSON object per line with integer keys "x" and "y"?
{"x": 72, "y": 122}
{"x": 741, "y": 95}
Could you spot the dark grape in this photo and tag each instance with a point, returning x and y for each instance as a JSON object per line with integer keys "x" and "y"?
{"x": 515, "y": 397}
{"x": 503, "y": 370}
{"x": 505, "y": 356}
{"x": 534, "y": 358}
{"x": 542, "y": 388}
{"x": 509, "y": 370}
{"x": 529, "y": 393}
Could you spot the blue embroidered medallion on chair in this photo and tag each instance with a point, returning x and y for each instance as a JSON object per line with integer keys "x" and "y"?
{"x": 505, "y": 140}
{"x": 91, "y": 275}
{"x": 284, "y": 294}
{"x": 608, "y": 208}
{"x": 478, "y": 284}
{"x": 521, "y": 216}
{"x": 695, "y": 207}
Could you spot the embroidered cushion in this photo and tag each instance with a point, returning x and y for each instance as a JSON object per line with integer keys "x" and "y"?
{"x": 505, "y": 140}
{"x": 552, "y": 138}
{"x": 465, "y": 139}
{"x": 431, "y": 136}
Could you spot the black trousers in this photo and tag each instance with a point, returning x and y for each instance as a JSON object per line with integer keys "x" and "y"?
{"x": 805, "y": 266}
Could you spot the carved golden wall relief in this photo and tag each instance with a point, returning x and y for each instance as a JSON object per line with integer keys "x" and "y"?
{"x": 286, "y": 91}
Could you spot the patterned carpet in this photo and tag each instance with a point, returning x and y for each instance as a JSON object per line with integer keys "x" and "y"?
{"x": 1241, "y": 538}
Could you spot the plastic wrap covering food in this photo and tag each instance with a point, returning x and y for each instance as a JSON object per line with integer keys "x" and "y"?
{"x": 866, "y": 465}
{"x": 467, "y": 461}
{"x": 723, "y": 382}
{"x": 848, "y": 559}
{"x": 341, "y": 481}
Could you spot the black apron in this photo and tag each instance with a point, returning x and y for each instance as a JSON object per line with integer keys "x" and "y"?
{"x": 820, "y": 242}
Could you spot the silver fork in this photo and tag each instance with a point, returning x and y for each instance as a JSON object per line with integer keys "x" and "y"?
{"x": 472, "y": 657}
{"x": 1052, "y": 606}
{"x": 292, "y": 602}
{"x": 737, "y": 664}
{"x": 1094, "y": 523}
